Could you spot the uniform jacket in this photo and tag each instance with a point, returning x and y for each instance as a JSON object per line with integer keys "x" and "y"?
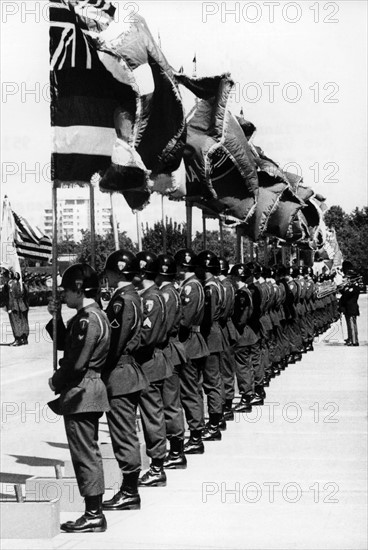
{"x": 192, "y": 300}
{"x": 85, "y": 341}
{"x": 348, "y": 303}
{"x": 122, "y": 374}
{"x": 174, "y": 351}
{"x": 213, "y": 307}
{"x": 243, "y": 309}
{"x": 226, "y": 323}
{"x": 153, "y": 336}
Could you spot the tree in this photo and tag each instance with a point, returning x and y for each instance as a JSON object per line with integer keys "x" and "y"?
{"x": 153, "y": 238}
{"x": 352, "y": 234}
{"x": 213, "y": 243}
{"x": 104, "y": 246}
{"x": 68, "y": 246}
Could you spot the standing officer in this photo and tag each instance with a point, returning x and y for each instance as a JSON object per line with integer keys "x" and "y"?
{"x": 83, "y": 397}
{"x": 230, "y": 338}
{"x": 192, "y": 299}
{"x": 209, "y": 266}
{"x": 176, "y": 357}
{"x": 123, "y": 376}
{"x": 349, "y": 307}
{"x": 153, "y": 339}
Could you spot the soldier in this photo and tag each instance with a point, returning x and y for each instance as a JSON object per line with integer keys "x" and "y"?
{"x": 17, "y": 308}
{"x": 260, "y": 323}
{"x": 175, "y": 355}
{"x": 209, "y": 266}
{"x": 83, "y": 397}
{"x": 348, "y": 305}
{"x": 192, "y": 299}
{"x": 123, "y": 376}
{"x": 230, "y": 338}
{"x": 309, "y": 306}
{"x": 153, "y": 339}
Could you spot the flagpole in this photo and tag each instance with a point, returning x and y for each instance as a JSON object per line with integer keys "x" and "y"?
{"x": 114, "y": 224}
{"x": 54, "y": 274}
{"x": 164, "y": 232}
{"x": 221, "y": 237}
{"x": 204, "y": 230}
{"x": 238, "y": 244}
{"x": 139, "y": 232}
{"x": 92, "y": 223}
{"x": 189, "y": 212}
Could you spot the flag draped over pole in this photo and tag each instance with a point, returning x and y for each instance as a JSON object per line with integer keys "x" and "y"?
{"x": 9, "y": 257}
{"x": 30, "y": 242}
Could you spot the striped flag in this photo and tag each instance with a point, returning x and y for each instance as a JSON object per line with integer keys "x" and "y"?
{"x": 30, "y": 242}
{"x": 9, "y": 258}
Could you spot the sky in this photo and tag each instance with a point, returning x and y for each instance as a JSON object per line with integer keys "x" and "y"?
{"x": 300, "y": 72}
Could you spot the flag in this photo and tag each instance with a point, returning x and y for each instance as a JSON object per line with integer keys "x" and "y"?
{"x": 84, "y": 97}
{"x": 115, "y": 109}
{"x": 156, "y": 127}
{"x": 30, "y": 242}
{"x": 221, "y": 173}
{"x": 283, "y": 214}
{"x": 8, "y": 253}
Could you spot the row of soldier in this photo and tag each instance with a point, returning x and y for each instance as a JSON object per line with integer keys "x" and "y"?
{"x": 176, "y": 329}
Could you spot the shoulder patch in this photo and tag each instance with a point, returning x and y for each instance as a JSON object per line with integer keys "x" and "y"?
{"x": 166, "y": 296}
{"x": 117, "y": 307}
{"x": 187, "y": 290}
{"x": 147, "y": 322}
{"x": 115, "y": 324}
{"x": 149, "y": 305}
{"x": 83, "y": 324}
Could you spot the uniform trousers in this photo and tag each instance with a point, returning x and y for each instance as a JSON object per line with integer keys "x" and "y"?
{"x": 122, "y": 421}
{"x": 244, "y": 369}
{"x": 227, "y": 373}
{"x": 212, "y": 384}
{"x": 153, "y": 419}
{"x": 351, "y": 323}
{"x": 173, "y": 412}
{"x": 191, "y": 398}
{"x": 82, "y": 434}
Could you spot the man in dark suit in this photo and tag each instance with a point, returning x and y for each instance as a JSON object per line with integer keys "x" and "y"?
{"x": 83, "y": 397}
{"x": 349, "y": 307}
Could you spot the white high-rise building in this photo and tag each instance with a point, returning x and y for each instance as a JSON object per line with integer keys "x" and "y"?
{"x": 73, "y": 213}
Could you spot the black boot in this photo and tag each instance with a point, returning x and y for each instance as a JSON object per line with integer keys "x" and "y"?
{"x": 194, "y": 445}
{"x": 176, "y": 459}
{"x": 222, "y": 424}
{"x": 127, "y": 498}
{"x": 244, "y": 404}
{"x": 228, "y": 412}
{"x": 212, "y": 431}
{"x": 92, "y": 521}
{"x": 155, "y": 476}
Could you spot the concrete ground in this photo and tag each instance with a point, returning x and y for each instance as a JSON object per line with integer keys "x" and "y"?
{"x": 290, "y": 475}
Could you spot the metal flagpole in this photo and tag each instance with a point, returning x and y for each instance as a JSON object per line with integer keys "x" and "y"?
{"x": 92, "y": 223}
{"x": 54, "y": 274}
{"x": 204, "y": 230}
{"x": 189, "y": 213}
{"x": 221, "y": 237}
{"x": 139, "y": 232}
{"x": 114, "y": 224}
{"x": 164, "y": 232}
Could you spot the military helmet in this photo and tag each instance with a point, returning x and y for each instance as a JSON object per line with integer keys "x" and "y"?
{"x": 147, "y": 262}
{"x": 208, "y": 261}
{"x": 166, "y": 265}
{"x": 237, "y": 270}
{"x": 186, "y": 258}
{"x": 80, "y": 277}
{"x": 224, "y": 266}
{"x": 255, "y": 268}
{"x": 122, "y": 262}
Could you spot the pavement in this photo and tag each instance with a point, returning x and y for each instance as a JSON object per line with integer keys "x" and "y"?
{"x": 290, "y": 475}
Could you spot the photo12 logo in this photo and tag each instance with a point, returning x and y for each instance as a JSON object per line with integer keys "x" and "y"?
{"x": 271, "y": 12}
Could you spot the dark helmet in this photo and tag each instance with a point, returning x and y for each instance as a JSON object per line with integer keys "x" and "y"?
{"x": 147, "y": 262}
{"x": 224, "y": 266}
{"x": 209, "y": 262}
{"x": 80, "y": 277}
{"x": 166, "y": 265}
{"x": 186, "y": 258}
{"x": 122, "y": 261}
{"x": 255, "y": 268}
{"x": 267, "y": 272}
{"x": 294, "y": 272}
{"x": 306, "y": 270}
{"x": 237, "y": 271}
